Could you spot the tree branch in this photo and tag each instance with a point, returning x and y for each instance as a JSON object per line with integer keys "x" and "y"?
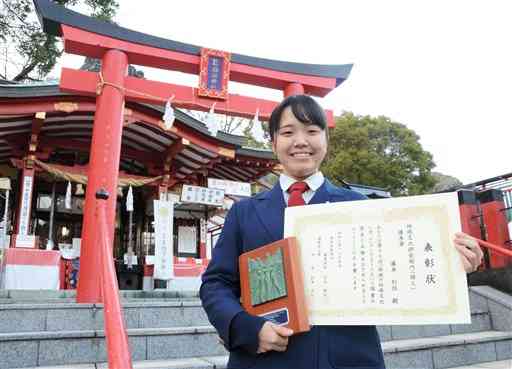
{"x": 25, "y": 71}
{"x": 238, "y": 125}
{"x": 33, "y": 79}
{"x": 7, "y": 5}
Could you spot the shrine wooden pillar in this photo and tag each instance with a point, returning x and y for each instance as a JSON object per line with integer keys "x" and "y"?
{"x": 22, "y": 237}
{"x": 103, "y": 169}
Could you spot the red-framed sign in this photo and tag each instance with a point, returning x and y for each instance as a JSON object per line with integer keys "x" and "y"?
{"x": 214, "y": 73}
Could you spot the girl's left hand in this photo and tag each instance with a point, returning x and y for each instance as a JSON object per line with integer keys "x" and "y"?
{"x": 469, "y": 250}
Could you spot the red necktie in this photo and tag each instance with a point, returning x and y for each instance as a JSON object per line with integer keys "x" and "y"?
{"x": 296, "y": 190}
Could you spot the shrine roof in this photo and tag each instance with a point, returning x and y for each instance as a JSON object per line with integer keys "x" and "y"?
{"x": 256, "y": 153}
{"x": 52, "y": 90}
{"x": 370, "y": 191}
{"x": 30, "y": 90}
{"x": 52, "y": 16}
{"x": 143, "y": 140}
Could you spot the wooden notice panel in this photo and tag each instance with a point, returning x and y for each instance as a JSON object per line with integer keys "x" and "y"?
{"x": 272, "y": 284}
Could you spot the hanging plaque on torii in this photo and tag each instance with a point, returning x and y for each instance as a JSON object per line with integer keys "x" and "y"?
{"x": 214, "y": 74}
{"x": 117, "y": 47}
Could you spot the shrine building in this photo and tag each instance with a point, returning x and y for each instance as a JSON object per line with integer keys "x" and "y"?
{"x": 106, "y": 135}
{"x": 47, "y": 137}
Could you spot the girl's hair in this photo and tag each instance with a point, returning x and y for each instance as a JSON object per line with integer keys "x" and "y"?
{"x": 303, "y": 107}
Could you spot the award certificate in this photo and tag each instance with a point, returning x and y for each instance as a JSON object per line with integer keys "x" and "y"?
{"x": 388, "y": 261}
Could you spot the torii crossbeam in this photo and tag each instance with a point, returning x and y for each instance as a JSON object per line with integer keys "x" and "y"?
{"x": 117, "y": 47}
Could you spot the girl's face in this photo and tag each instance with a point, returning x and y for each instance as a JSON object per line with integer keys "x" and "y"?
{"x": 300, "y": 148}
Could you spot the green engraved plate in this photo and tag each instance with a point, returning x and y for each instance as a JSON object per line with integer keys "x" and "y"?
{"x": 266, "y": 278}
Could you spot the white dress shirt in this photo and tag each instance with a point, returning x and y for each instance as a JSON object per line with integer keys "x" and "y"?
{"x": 314, "y": 182}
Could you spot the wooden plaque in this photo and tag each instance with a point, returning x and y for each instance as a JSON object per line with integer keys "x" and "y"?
{"x": 214, "y": 68}
{"x": 272, "y": 284}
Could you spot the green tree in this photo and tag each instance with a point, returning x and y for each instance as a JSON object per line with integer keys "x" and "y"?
{"x": 444, "y": 182}
{"x": 252, "y": 141}
{"x": 375, "y": 151}
{"x": 29, "y": 54}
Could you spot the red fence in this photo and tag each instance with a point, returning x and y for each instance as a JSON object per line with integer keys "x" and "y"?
{"x": 486, "y": 214}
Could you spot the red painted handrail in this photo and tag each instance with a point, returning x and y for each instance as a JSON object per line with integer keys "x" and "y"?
{"x": 118, "y": 350}
{"x": 498, "y": 249}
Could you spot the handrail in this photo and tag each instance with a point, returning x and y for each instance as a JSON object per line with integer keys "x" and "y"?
{"x": 118, "y": 350}
{"x": 491, "y": 246}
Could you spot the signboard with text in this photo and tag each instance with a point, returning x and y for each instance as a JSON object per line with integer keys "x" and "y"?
{"x": 202, "y": 195}
{"x": 231, "y": 187}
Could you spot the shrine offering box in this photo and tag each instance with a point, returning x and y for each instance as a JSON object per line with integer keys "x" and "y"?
{"x": 272, "y": 284}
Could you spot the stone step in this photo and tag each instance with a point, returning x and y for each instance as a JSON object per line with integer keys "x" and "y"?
{"x": 204, "y": 362}
{"x": 176, "y": 313}
{"x": 181, "y": 311}
{"x": 425, "y": 353}
{"x": 448, "y": 351}
{"x": 480, "y": 321}
{"x": 27, "y": 349}
{"x": 159, "y": 321}
{"x": 72, "y": 316}
{"x": 218, "y": 362}
{"x": 67, "y": 296}
{"x": 499, "y": 364}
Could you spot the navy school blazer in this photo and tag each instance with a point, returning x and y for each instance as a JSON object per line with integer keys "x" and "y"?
{"x": 252, "y": 223}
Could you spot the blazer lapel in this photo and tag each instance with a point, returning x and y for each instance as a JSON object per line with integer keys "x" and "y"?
{"x": 322, "y": 195}
{"x": 270, "y": 210}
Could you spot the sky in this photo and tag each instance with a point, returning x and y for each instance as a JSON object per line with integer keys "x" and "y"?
{"x": 442, "y": 68}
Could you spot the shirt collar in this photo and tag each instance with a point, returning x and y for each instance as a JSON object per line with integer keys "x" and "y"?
{"x": 314, "y": 181}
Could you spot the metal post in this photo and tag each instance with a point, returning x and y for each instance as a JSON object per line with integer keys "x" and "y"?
{"x": 52, "y": 215}
{"x": 103, "y": 170}
{"x": 129, "y": 252}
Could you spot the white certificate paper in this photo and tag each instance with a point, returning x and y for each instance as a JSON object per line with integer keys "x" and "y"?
{"x": 386, "y": 262}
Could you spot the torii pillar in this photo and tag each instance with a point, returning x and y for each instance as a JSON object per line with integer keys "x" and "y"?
{"x": 103, "y": 170}
{"x": 293, "y": 89}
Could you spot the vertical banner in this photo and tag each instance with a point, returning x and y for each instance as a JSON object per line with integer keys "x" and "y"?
{"x": 202, "y": 238}
{"x": 164, "y": 258}
{"x": 26, "y": 202}
{"x": 203, "y": 225}
{"x": 3, "y": 223}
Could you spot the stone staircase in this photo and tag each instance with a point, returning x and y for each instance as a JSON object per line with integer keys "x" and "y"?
{"x": 170, "y": 330}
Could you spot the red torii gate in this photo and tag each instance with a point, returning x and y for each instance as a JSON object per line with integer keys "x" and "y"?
{"x": 117, "y": 47}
